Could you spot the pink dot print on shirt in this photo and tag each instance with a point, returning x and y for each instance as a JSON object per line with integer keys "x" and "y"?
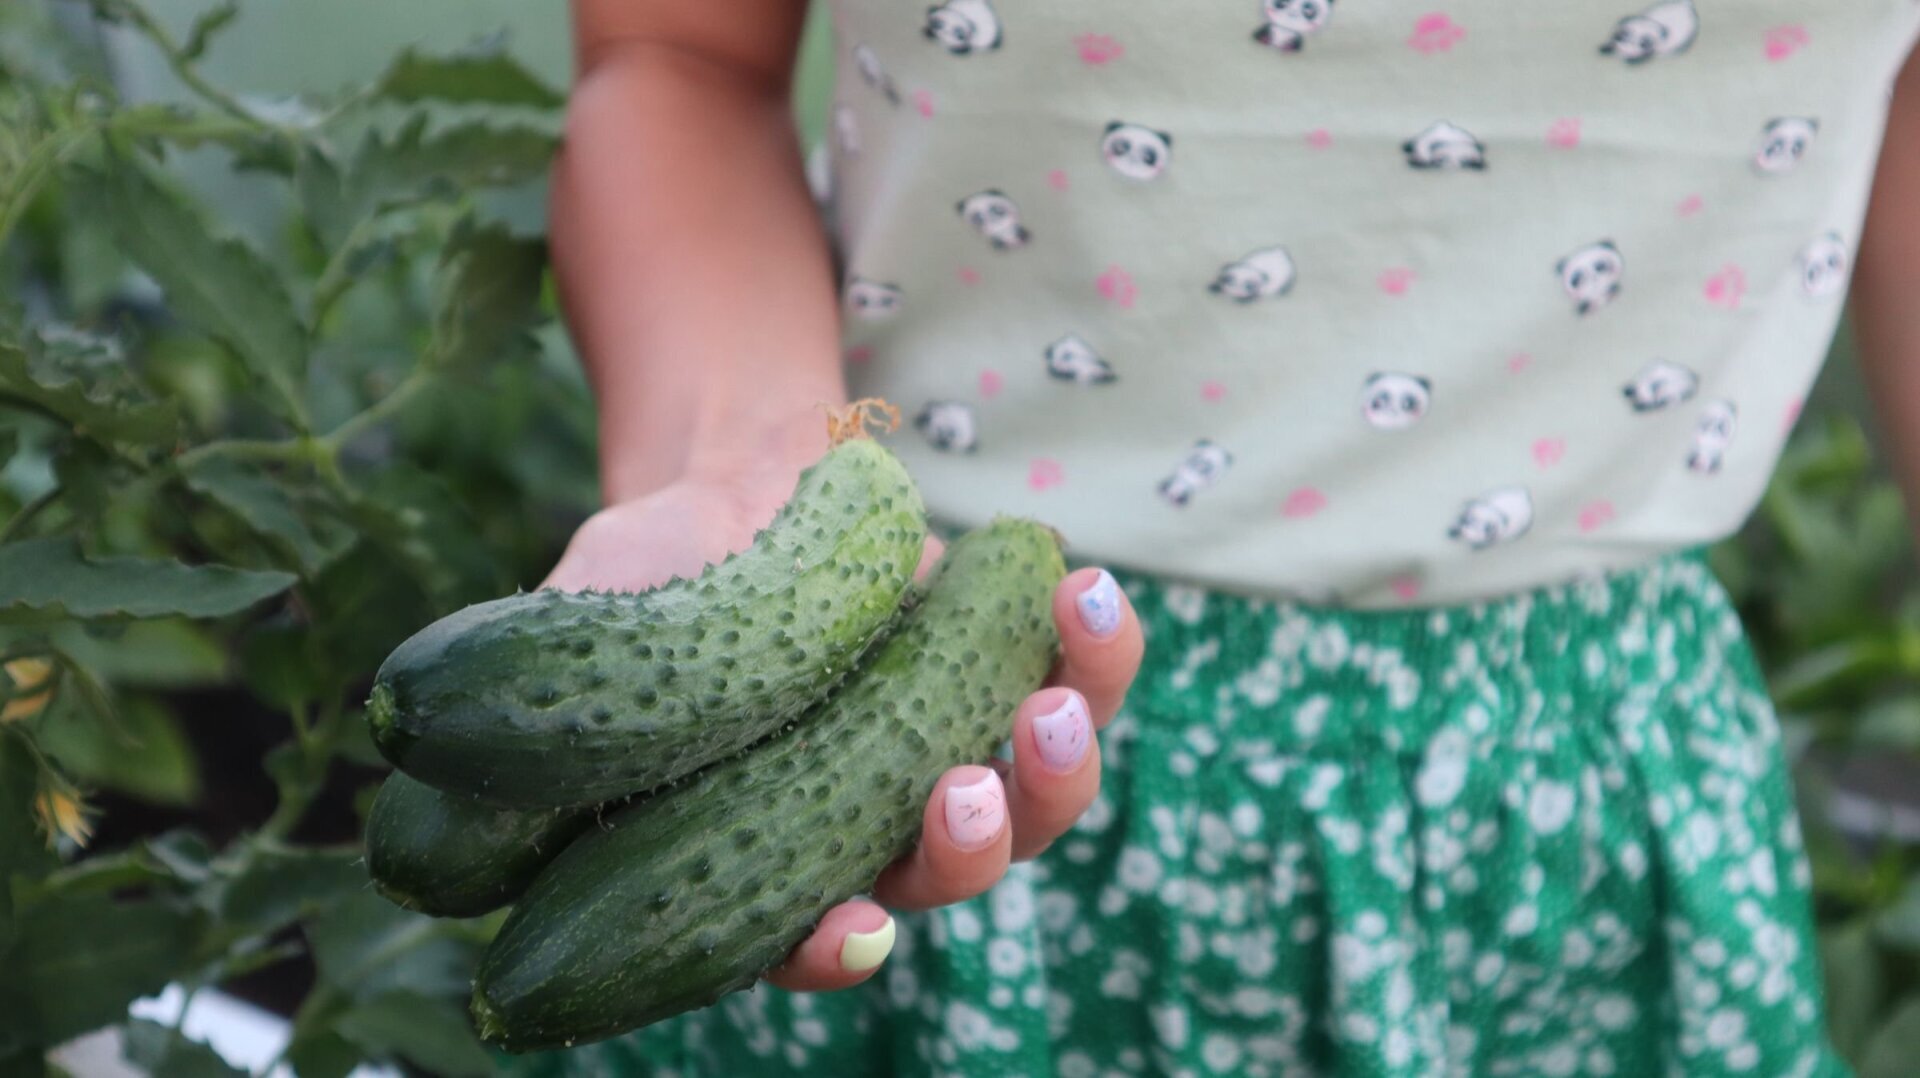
{"x": 1595, "y": 515}
{"x": 1519, "y": 361}
{"x": 991, "y": 383}
{"x": 1044, "y": 474}
{"x": 1098, "y": 50}
{"x": 1058, "y": 180}
{"x": 1303, "y": 503}
{"x": 1405, "y": 588}
{"x": 1690, "y": 205}
{"x": 1213, "y": 392}
{"x": 1435, "y": 32}
{"x": 1564, "y": 133}
{"x": 1792, "y": 414}
{"x": 1783, "y": 41}
{"x": 1548, "y": 452}
{"x": 923, "y": 103}
{"x": 1727, "y": 287}
{"x": 1395, "y": 280}
{"x": 1319, "y": 138}
{"x": 969, "y": 276}
{"x": 1116, "y": 284}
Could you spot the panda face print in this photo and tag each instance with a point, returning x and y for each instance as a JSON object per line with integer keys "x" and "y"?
{"x": 1445, "y": 146}
{"x": 964, "y": 27}
{"x": 1395, "y": 401}
{"x": 1660, "y": 385}
{"x": 1823, "y": 267}
{"x": 948, "y": 426}
{"x": 1071, "y": 359}
{"x": 1290, "y": 22}
{"x": 1591, "y": 275}
{"x": 1711, "y": 437}
{"x": 846, "y": 130}
{"x": 1783, "y": 142}
{"x": 867, "y": 63}
{"x": 997, "y": 218}
{"x": 871, "y": 301}
{"x": 1499, "y": 516}
{"x": 1665, "y": 29}
{"x": 1136, "y": 152}
{"x": 1263, "y": 273}
{"x": 1202, "y": 468}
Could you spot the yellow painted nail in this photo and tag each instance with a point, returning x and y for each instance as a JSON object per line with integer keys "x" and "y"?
{"x": 862, "y": 951}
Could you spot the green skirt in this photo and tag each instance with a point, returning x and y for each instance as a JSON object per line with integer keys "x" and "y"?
{"x": 1545, "y": 835}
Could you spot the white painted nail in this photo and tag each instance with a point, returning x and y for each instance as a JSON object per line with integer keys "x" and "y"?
{"x": 976, "y": 814}
{"x": 1062, "y": 735}
{"x": 862, "y": 951}
{"x": 1099, "y": 606}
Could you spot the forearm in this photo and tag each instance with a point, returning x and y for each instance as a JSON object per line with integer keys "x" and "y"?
{"x": 694, "y": 272}
{"x": 1886, "y": 288}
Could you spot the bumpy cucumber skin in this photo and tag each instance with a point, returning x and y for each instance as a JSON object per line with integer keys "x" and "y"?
{"x": 701, "y": 889}
{"x": 452, "y": 856}
{"x": 551, "y": 699}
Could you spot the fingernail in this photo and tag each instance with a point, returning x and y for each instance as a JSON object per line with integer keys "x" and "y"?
{"x": 862, "y": 951}
{"x": 1100, "y": 606}
{"x": 1062, "y": 735}
{"x": 976, "y": 814}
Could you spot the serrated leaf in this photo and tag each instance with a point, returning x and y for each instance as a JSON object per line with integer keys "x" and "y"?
{"x": 82, "y": 959}
{"x": 49, "y": 579}
{"x": 366, "y": 947}
{"x": 480, "y": 74}
{"x": 145, "y": 753}
{"x": 430, "y": 1033}
{"x": 162, "y": 1052}
{"x": 163, "y": 653}
{"x": 217, "y": 283}
{"x": 263, "y": 506}
{"x": 209, "y": 23}
{"x": 489, "y": 298}
{"x": 60, "y": 394}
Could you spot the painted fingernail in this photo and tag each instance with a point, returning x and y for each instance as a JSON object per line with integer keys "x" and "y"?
{"x": 862, "y": 951}
{"x": 976, "y": 814}
{"x": 1100, "y": 605}
{"x": 1062, "y": 735}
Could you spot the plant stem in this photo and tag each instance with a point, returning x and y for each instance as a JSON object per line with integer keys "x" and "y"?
{"x": 334, "y": 281}
{"x": 27, "y": 513}
{"x": 381, "y": 410}
{"x": 36, "y": 170}
{"x": 184, "y": 71}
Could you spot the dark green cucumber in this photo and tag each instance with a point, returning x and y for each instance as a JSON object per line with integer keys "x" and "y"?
{"x": 453, "y": 856}
{"x": 699, "y": 890}
{"x": 548, "y": 699}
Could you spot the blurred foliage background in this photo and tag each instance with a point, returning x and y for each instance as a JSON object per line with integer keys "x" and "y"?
{"x": 280, "y": 382}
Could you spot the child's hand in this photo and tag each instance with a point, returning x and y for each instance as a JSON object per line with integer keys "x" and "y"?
{"x": 979, "y": 818}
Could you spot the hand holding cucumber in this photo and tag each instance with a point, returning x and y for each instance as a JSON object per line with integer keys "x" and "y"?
{"x": 763, "y": 738}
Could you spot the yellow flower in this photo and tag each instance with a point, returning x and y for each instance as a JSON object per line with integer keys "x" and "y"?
{"x": 34, "y": 679}
{"x": 63, "y": 814}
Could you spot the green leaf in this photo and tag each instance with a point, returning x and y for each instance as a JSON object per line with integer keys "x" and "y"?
{"x": 48, "y": 579}
{"x": 1889, "y": 1053}
{"x": 366, "y": 947}
{"x": 263, "y": 506}
{"x": 65, "y": 397}
{"x": 216, "y": 283}
{"x": 81, "y": 960}
{"x": 1854, "y": 983}
{"x": 481, "y": 74}
{"x": 489, "y": 298}
{"x": 279, "y": 886}
{"x": 433, "y": 1034}
{"x": 162, "y": 653}
{"x": 210, "y": 22}
{"x": 147, "y": 756}
{"x": 161, "y": 1052}
{"x": 23, "y": 849}
{"x": 9, "y": 445}
{"x": 321, "y": 1053}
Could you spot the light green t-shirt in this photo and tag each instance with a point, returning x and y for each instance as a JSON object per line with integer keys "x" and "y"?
{"x": 1364, "y": 302}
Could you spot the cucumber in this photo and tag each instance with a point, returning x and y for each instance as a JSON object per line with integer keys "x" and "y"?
{"x": 699, "y": 890}
{"x": 453, "y": 856}
{"x": 552, "y": 699}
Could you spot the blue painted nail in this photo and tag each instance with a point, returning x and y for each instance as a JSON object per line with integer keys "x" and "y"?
{"x": 1100, "y": 606}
